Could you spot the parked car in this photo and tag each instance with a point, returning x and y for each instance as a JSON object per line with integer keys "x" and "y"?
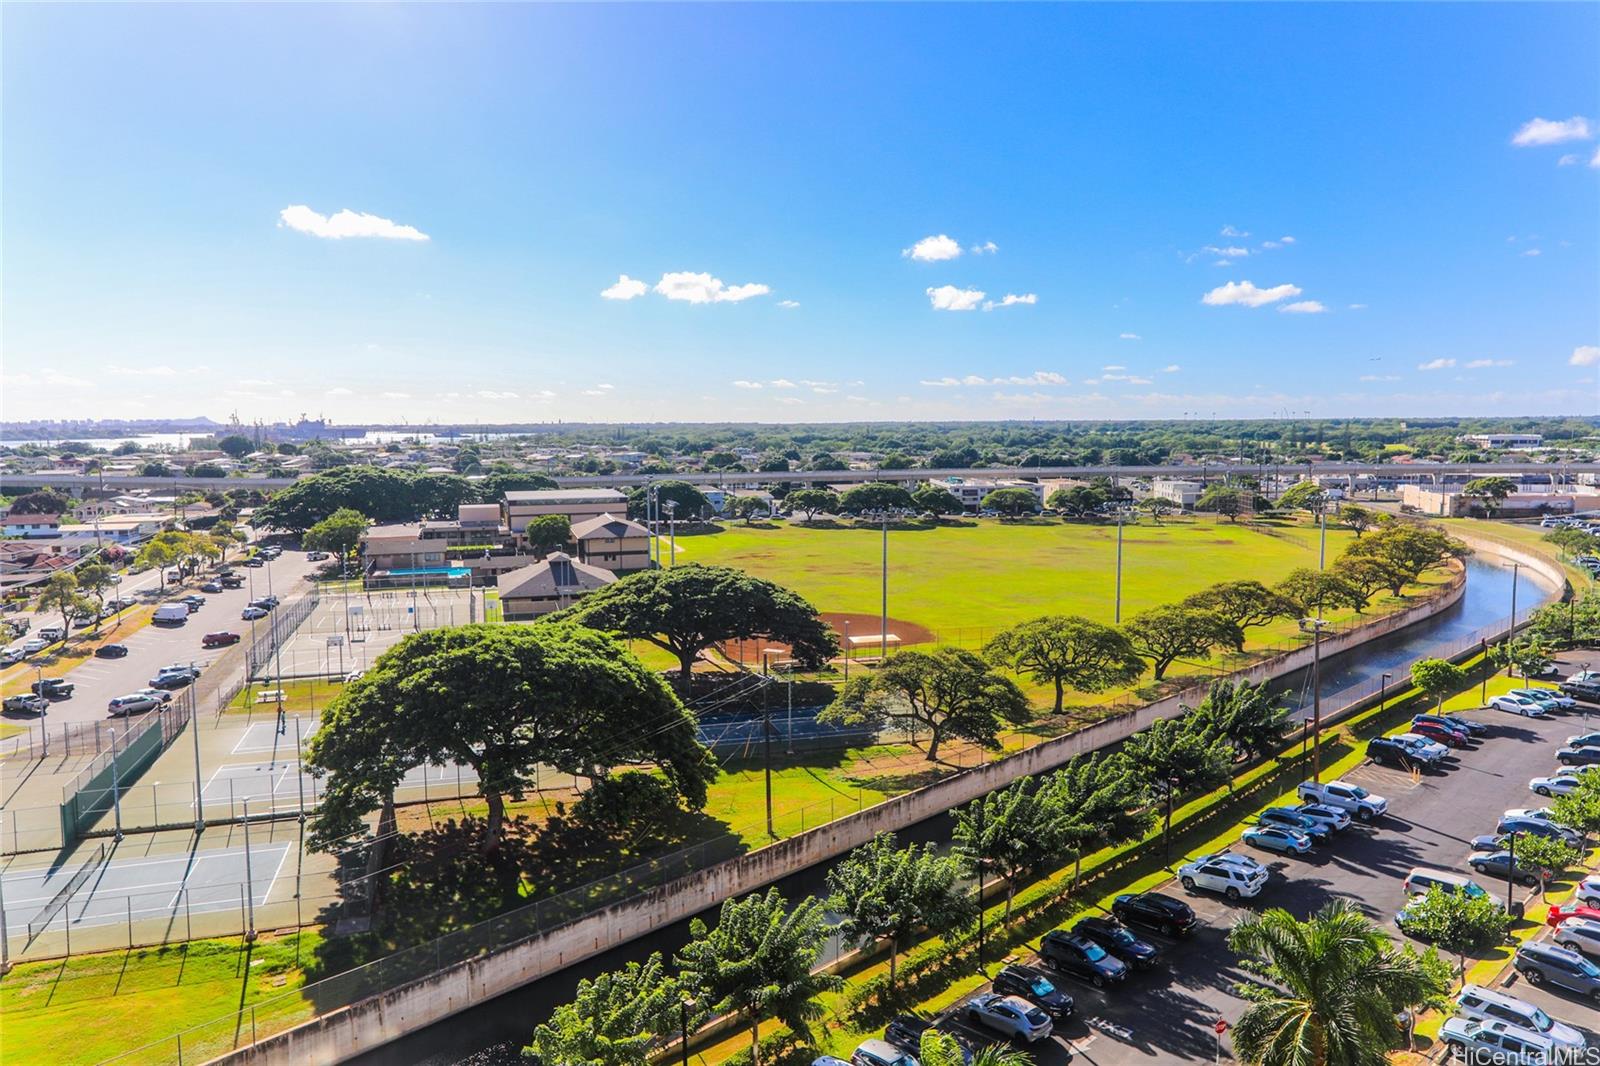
{"x": 232, "y": 581}
{"x": 13, "y": 654}
{"x": 1226, "y": 874}
{"x": 1425, "y": 749}
{"x": 133, "y": 703}
{"x": 213, "y": 585}
{"x": 34, "y": 645}
{"x": 1277, "y": 838}
{"x": 1584, "y": 740}
{"x": 111, "y": 651}
{"x": 1477, "y": 1041}
{"x": 252, "y": 612}
{"x": 1555, "y": 785}
{"x": 1033, "y": 986}
{"x": 905, "y": 1032}
{"x": 880, "y": 1053}
{"x": 1485, "y": 1004}
{"x": 316, "y": 556}
{"x": 1420, "y": 880}
{"x": 26, "y": 703}
{"x": 194, "y": 600}
{"x": 1519, "y": 705}
{"x": 1579, "y": 934}
{"x": 1578, "y": 756}
{"x": 1386, "y": 751}
{"x": 174, "y": 613}
{"x": 1362, "y": 805}
{"x": 1441, "y": 732}
{"x": 1539, "y": 827}
{"x": 52, "y": 688}
{"x": 1080, "y": 957}
{"x": 1551, "y": 698}
{"x": 1119, "y": 941}
{"x": 1011, "y": 1015}
{"x": 219, "y": 640}
{"x": 1541, "y": 963}
{"x": 255, "y": 561}
{"x": 1587, "y": 691}
{"x": 1290, "y": 818}
{"x": 51, "y": 634}
{"x": 172, "y": 677}
{"x": 1332, "y": 817}
{"x": 1471, "y": 727}
{"x": 1152, "y": 910}
{"x": 1588, "y": 891}
{"x": 160, "y": 695}
{"x": 269, "y": 602}
{"x": 1499, "y": 863}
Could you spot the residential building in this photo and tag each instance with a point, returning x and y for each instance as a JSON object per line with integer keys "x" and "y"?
{"x": 548, "y": 585}
{"x": 1505, "y": 440}
{"x": 116, "y": 529}
{"x": 523, "y": 506}
{"x": 616, "y": 544}
{"x": 971, "y": 491}
{"x": 1180, "y": 491}
{"x": 32, "y": 525}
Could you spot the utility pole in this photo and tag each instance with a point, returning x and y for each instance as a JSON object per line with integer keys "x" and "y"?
{"x": 1117, "y": 613}
{"x": 249, "y": 880}
{"x": 1316, "y": 697}
{"x": 766, "y": 748}
{"x": 883, "y": 620}
{"x": 199, "y": 793}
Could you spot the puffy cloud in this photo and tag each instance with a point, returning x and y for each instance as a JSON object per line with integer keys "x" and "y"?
{"x": 1229, "y": 231}
{"x": 1480, "y": 364}
{"x": 792, "y": 401}
{"x": 395, "y": 395}
{"x": 1246, "y": 294}
{"x": 1129, "y": 337}
{"x": 1171, "y": 368}
{"x": 1532, "y": 252}
{"x": 986, "y": 248}
{"x": 1570, "y": 159}
{"x": 940, "y": 383}
{"x": 1585, "y": 355}
{"x": 1542, "y": 131}
{"x": 1304, "y": 307}
{"x": 1230, "y": 252}
{"x": 788, "y": 305}
{"x": 950, "y": 298}
{"x": 1012, "y": 299}
{"x": 933, "y": 249}
{"x": 1380, "y": 377}
{"x": 1595, "y": 160}
{"x": 1437, "y": 364}
{"x": 696, "y": 288}
{"x": 339, "y": 390}
{"x": 345, "y": 223}
{"x": 1038, "y": 377}
{"x": 626, "y": 288}
{"x": 491, "y": 394}
{"x": 142, "y": 371}
{"x": 742, "y": 384}
{"x": 782, "y": 383}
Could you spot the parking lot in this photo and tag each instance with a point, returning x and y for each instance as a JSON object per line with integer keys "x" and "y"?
{"x": 1167, "y": 1015}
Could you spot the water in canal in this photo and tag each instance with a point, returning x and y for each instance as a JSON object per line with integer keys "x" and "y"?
{"x": 492, "y": 1033}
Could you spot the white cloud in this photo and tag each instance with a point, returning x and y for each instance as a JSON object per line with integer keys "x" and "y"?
{"x": 788, "y": 305}
{"x": 1479, "y": 364}
{"x": 1129, "y": 337}
{"x": 1230, "y": 252}
{"x": 1229, "y": 231}
{"x": 1570, "y": 159}
{"x": 1114, "y": 366}
{"x": 1380, "y": 377}
{"x": 626, "y": 288}
{"x": 1246, "y": 293}
{"x": 742, "y": 384}
{"x": 792, "y": 401}
{"x": 1171, "y": 368}
{"x": 491, "y": 394}
{"x": 1304, "y": 307}
{"x": 1595, "y": 161}
{"x": 950, "y": 298}
{"x": 1286, "y": 240}
{"x": 1038, "y": 377}
{"x": 782, "y": 383}
{"x": 339, "y": 390}
{"x": 1437, "y": 364}
{"x": 824, "y": 390}
{"x": 345, "y": 223}
{"x": 142, "y": 371}
{"x": 1358, "y": 307}
{"x": 940, "y": 383}
{"x": 1012, "y": 299}
{"x": 1585, "y": 355}
{"x": 1533, "y": 251}
{"x": 986, "y": 248}
{"x": 1542, "y": 131}
{"x": 253, "y": 383}
{"x": 395, "y": 395}
{"x": 696, "y": 288}
{"x": 933, "y": 249}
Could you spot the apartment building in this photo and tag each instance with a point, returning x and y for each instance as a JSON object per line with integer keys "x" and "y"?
{"x": 523, "y": 506}
{"x": 548, "y": 585}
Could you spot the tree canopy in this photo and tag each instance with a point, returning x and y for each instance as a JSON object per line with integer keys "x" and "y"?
{"x": 687, "y": 501}
{"x": 1011, "y": 501}
{"x": 385, "y": 495}
{"x": 1407, "y": 551}
{"x": 936, "y": 499}
{"x": 1166, "y": 634}
{"x": 886, "y": 892}
{"x": 1247, "y": 716}
{"x": 548, "y": 532}
{"x": 1439, "y": 678}
{"x": 687, "y": 609}
{"x": 613, "y": 1020}
{"x": 1067, "y": 651}
{"x": 1224, "y": 500}
{"x": 810, "y": 501}
{"x": 339, "y": 533}
{"x": 1243, "y": 603}
{"x": 1313, "y": 591}
{"x": 502, "y": 699}
{"x": 950, "y": 691}
{"x": 1304, "y": 496}
{"x": 874, "y": 496}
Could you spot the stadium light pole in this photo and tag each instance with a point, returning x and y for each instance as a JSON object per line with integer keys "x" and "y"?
{"x": 1316, "y": 625}
{"x": 1116, "y": 617}
{"x": 883, "y": 619}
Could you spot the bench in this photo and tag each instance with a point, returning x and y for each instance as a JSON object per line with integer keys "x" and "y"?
{"x": 271, "y": 695}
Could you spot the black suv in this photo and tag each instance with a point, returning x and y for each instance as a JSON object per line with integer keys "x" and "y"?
{"x": 905, "y": 1032}
{"x": 1386, "y": 752}
{"x": 1033, "y": 986}
{"x": 1588, "y": 691}
{"x": 1538, "y": 963}
{"x": 1082, "y": 958}
{"x": 1115, "y": 938}
{"x": 52, "y": 688}
{"x": 1152, "y": 910}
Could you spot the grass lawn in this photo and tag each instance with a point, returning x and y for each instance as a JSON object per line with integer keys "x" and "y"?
{"x": 91, "y": 1007}
{"x": 1528, "y": 537}
{"x": 299, "y": 697}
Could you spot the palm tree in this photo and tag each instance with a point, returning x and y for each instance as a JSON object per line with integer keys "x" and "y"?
{"x": 1331, "y": 988}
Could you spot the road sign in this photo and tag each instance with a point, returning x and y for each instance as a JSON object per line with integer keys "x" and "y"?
{"x": 334, "y": 642}
{"x": 1221, "y": 1026}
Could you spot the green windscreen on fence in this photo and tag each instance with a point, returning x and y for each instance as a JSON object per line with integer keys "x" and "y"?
{"x": 91, "y": 795}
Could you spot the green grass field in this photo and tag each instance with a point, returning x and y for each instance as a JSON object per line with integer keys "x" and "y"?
{"x": 958, "y": 580}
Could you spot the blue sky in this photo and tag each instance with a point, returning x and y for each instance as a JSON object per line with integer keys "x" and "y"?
{"x": 174, "y": 177}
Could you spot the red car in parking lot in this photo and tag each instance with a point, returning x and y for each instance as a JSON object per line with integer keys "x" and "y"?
{"x": 218, "y": 640}
{"x": 1437, "y": 730}
{"x": 1574, "y": 909}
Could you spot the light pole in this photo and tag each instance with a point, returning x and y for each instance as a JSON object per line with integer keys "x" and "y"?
{"x": 1511, "y": 867}
{"x": 1316, "y": 625}
{"x": 1166, "y": 833}
{"x": 685, "y": 1005}
{"x": 883, "y": 620}
{"x": 847, "y": 649}
{"x": 1117, "y": 611}
{"x": 672, "y": 531}
{"x": 1383, "y": 689}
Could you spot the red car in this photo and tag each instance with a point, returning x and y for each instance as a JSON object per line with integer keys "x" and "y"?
{"x": 218, "y": 640}
{"x": 1442, "y": 732}
{"x": 1560, "y": 914}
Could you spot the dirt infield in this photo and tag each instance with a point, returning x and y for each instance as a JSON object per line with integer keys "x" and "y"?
{"x": 861, "y": 625}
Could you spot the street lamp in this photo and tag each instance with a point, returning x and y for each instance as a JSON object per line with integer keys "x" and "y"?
{"x": 1511, "y": 867}
{"x": 1383, "y": 689}
{"x": 1116, "y": 616}
{"x": 1316, "y": 625}
{"x": 685, "y": 1005}
{"x": 1166, "y": 833}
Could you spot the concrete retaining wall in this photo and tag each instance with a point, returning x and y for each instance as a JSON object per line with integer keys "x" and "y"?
{"x": 368, "y": 1024}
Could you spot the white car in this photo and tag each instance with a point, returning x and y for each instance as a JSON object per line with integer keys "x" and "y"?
{"x": 1235, "y": 876}
{"x": 1579, "y": 934}
{"x": 1322, "y": 814}
{"x": 13, "y": 654}
{"x": 1546, "y": 695}
{"x": 1496, "y": 1042}
{"x": 1425, "y": 748}
{"x": 1588, "y": 891}
{"x": 1518, "y": 705}
{"x": 1485, "y": 1004}
{"x": 1364, "y": 806}
{"x": 34, "y": 645}
{"x": 1555, "y": 785}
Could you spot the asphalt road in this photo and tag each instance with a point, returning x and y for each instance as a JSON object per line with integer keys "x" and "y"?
{"x": 1167, "y": 1015}
{"x": 153, "y": 646}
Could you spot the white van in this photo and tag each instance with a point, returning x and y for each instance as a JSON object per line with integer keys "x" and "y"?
{"x": 1475, "y": 1001}
{"x": 1421, "y": 879}
{"x": 172, "y": 614}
